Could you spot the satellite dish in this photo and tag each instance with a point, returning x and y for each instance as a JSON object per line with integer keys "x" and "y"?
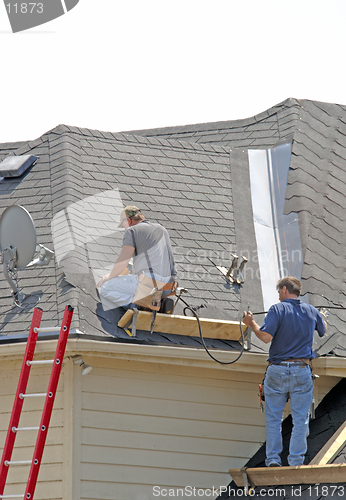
{"x": 18, "y": 245}
{"x": 17, "y": 229}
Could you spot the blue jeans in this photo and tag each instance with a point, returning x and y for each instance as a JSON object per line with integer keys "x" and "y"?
{"x": 281, "y": 382}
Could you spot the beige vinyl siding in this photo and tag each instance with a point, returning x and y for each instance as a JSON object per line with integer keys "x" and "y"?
{"x": 130, "y": 426}
{"x": 150, "y": 424}
{"x": 52, "y": 461}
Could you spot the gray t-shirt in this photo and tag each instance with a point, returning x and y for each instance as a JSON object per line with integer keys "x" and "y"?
{"x": 153, "y": 250}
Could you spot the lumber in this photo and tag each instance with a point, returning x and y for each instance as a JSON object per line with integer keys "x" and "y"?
{"x": 185, "y": 325}
{"x": 331, "y": 448}
{"x": 303, "y": 474}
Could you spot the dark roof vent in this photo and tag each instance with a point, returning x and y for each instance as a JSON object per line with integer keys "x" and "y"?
{"x": 14, "y": 166}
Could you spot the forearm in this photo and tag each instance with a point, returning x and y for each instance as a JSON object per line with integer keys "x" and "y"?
{"x": 119, "y": 265}
{"x": 264, "y": 336}
{"x": 118, "y": 268}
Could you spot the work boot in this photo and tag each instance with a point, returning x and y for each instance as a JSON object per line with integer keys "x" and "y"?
{"x": 167, "y": 306}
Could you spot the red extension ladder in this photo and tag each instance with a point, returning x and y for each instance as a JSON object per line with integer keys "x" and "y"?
{"x": 48, "y": 405}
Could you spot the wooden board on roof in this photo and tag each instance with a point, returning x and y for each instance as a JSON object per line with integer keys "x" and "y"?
{"x": 184, "y": 325}
{"x": 331, "y": 448}
{"x": 303, "y": 474}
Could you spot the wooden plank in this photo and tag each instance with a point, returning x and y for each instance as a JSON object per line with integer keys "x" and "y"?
{"x": 304, "y": 474}
{"x": 185, "y": 325}
{"x": 331, "y": 448}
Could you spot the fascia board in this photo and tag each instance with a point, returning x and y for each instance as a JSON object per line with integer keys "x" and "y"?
{"x": 185, "y": 356}
{"x": 332, "y": 366}
{"x": 249, "y": 362}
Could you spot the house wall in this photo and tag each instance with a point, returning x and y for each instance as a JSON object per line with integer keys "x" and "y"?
{"x": 132, "y": 425}
{"x": 146, "y": 425}
{"x": 169, "y": 426}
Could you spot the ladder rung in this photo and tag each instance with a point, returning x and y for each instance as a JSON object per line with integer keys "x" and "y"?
{"x": 40, "y": 362}
{"x": 12, "y": 496}
{"x": 17, "y": 462}
{"x": 16, "y": 429}
{"x": 33, "y": 395}
{"x": 13, "y": 428}
{"x": 48, "y": 329}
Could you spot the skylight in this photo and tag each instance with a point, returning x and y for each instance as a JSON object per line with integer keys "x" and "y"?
{"x": 277, "y": 235}
{"x": 15, "y": 166}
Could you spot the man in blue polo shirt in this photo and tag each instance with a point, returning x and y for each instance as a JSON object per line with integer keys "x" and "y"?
{"x": 289, "y": 326}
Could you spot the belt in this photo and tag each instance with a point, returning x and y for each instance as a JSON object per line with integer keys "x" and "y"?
{"x": 287, "y": 362}
{"x": 300, "y": 360}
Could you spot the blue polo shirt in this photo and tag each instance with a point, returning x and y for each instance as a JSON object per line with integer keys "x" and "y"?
{"x": 292, "y": 324}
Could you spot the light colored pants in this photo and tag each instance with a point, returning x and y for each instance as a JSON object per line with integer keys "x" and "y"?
{"x": 120, "y": 291}
{"x": 280, "y": 382}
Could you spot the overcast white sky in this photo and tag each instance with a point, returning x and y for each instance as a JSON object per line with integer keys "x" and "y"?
{"x": 124, "y": 65}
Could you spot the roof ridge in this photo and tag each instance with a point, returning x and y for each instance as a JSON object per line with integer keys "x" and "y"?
{"x": 25, "y": 147}
{"x": 61, "y": 158}
{"x": 170, "y": 143}
{"x": 223, "y": 123}
{"x": 67, "y": 188}
{"x": 138, "y": 134}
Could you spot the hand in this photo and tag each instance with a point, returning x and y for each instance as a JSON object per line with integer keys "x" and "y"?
{"x": 102, "y": 280}
{"x": 247, "y": 318}
{"x": 325, "y": 313}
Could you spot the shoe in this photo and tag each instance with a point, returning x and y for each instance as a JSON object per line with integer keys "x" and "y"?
{"x": 167, "y": 306}
{"x": 274, "y": 464}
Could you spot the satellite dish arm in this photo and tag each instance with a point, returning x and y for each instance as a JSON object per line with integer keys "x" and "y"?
{"x": 42, "y": 256}
{"x": 9, "y": 262}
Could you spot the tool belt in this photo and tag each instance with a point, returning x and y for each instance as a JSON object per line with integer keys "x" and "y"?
{"x": 149, "y": 292}
{"x": 302, "y": 362}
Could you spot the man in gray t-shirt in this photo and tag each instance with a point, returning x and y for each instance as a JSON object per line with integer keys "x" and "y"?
{"x": 150, "y": 247}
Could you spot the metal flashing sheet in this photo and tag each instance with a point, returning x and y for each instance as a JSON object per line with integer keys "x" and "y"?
{"x": 277, "y": 234}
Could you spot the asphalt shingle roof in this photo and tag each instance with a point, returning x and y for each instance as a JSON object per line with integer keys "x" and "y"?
{"x": 263, "y": 130}
{"x": 71, "y": 194}
{"x": 315, "y": 191}
{"x": 194, "y": 180}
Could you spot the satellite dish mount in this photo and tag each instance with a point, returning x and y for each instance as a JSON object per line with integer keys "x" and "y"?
{"x": 18, "y": 246}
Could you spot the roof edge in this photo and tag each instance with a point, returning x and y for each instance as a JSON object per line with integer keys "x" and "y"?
{"x": 200, "y": 127}
{"x": 189, "y": 356}
{"x": 197, "y": 357}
